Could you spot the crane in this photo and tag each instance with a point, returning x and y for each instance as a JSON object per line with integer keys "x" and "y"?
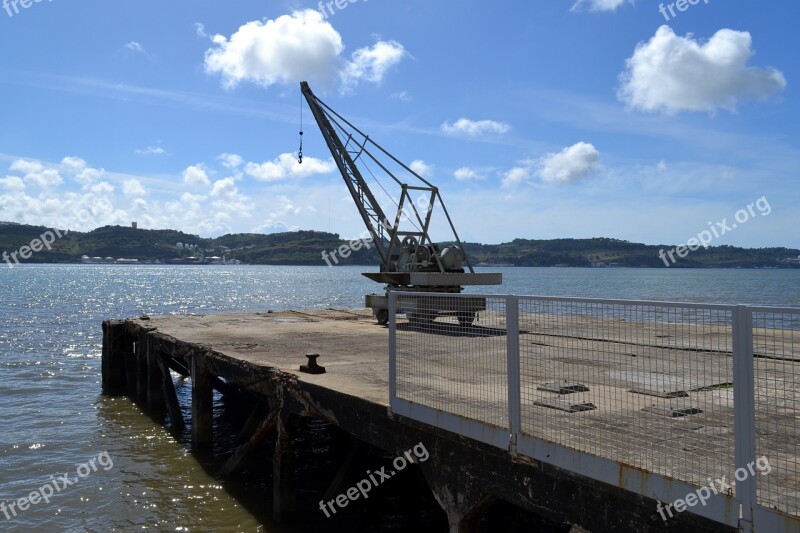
{"x": 410, "y": 260}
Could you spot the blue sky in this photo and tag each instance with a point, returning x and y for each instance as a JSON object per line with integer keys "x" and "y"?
{"x": 535, "y": 119}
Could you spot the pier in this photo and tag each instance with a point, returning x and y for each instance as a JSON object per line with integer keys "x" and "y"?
{"x": 580, "y": 415}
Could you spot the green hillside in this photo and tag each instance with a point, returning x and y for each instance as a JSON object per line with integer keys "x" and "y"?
{"x": 306, "y": 247}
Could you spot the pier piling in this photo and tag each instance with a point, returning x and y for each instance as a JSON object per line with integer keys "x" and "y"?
{"x": 202, "y": 404}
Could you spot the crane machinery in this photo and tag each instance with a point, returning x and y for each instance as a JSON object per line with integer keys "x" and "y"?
{"x": 410, "y": 260}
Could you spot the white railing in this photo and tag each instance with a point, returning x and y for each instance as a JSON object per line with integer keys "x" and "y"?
{"x": 637, "y": 394}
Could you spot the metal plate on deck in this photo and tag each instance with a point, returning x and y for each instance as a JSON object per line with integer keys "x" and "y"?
{"x": 563, "y": 387}
{"x": 673, "y": 411}
{"x": 565, "y": 404}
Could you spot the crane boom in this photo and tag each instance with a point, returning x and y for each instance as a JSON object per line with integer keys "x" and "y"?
{"x": 368, "y": 207}
{"x": 410, "y": 260}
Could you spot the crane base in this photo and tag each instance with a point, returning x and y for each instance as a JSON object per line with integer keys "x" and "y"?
{"x": 419, "y": 312}
{"x": 436, "y": 279}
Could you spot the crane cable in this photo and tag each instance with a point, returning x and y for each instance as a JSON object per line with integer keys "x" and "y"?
{"x": 300, "y": 153}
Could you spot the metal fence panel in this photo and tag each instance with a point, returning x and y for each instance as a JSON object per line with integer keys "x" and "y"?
{"x": 776, "y": 344}
{"x": 452, "y": 355}
{"x": 640, "y": 383}
{"x": 636, "y": 393}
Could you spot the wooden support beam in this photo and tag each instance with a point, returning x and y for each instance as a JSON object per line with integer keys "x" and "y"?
{"x": 242, "y": 455}
{"x": 284, "y": 493}
{"x": 345, "y": 472}
{"x": 179, "y": 367}
{"x": 128, "y": 349}
{"x": 257, "y": 415}
{"x": 202, "y": 405}
{"x": 156, "y": 403}
{"x": 216, "y": 381}
{"x": 113, "y": 360}
{"x": 464, "y": 514}
{"x": 170, "y": 396}
{"x": 141, "y": 368}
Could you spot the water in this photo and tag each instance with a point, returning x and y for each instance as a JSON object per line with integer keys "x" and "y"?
{"x": 54, "y": 418}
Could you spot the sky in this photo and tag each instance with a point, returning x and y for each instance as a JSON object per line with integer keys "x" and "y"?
{"x": 632, "y": 119}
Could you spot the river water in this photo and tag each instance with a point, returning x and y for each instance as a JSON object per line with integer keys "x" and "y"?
{"x": 131, "y": 473}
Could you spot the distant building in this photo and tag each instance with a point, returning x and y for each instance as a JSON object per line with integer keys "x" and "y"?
{"x": 134, "y": 225}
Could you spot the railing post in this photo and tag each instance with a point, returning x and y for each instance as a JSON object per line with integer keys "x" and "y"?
{"x": 513, "y": 362}
{"x": 392, "y": 349}
{"x": 744, "y": 411}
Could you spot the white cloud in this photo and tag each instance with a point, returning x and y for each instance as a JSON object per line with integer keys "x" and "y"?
{"x": 288, "y": 49}
{"x": 12, "y": 183}
{"x": 286, "y": 166}
{"x": 133, "y": 188}
{"x": 421, "y": 168}
{"x": 196, "y": 175}
{"x": 466, "y": 174}
{"x": 671, "y": 73}
{"x": 102, "y": 188}
{"x": 231, "y": 161}
{"x": 97, "y": 203}
{"x": 88, "y": 176}
{"x": 403, "y": 96}
{"x": 74, "y": 164}
{"x": 151, "y": 150}
{"x": 200, "y": 29}
{"x": 293, "y": 48}
{"x": 36, "y": 173}
{"x": 133, "y": 46}
{"x": 515, "y": 176}
{"x": 274, "y": 222}
{"x": 371, "y": 64}
{"x": 465, "y": 126}
{"x": 224, "y": 188}
{"x": 571, "y": 164}
{"x": 226, "y": 197}
{"x": 599, "y": 5}
{"x": 79, "y": 171}
{"x": 190, "y": 198}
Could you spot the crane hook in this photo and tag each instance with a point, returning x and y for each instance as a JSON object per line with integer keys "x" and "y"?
{"x": 300, "y": 153}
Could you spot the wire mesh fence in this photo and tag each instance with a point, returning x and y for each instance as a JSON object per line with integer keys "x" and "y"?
{"x": 647, "y": 385}
{"x": 776, "y": 343}
{"x": 454, "y": 355}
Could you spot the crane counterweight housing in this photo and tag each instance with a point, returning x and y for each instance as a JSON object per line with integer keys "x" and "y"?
{"x": 410, "y": 260}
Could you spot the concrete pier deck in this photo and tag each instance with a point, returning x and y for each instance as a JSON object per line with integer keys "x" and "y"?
{"x": 351, "y": 346}
{"x": 261, "y": 353}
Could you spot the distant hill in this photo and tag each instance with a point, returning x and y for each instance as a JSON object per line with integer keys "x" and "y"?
{"x": 293, "y": 248}
{"x": 306, "y": 247}
{"x": 615, "y": 252}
